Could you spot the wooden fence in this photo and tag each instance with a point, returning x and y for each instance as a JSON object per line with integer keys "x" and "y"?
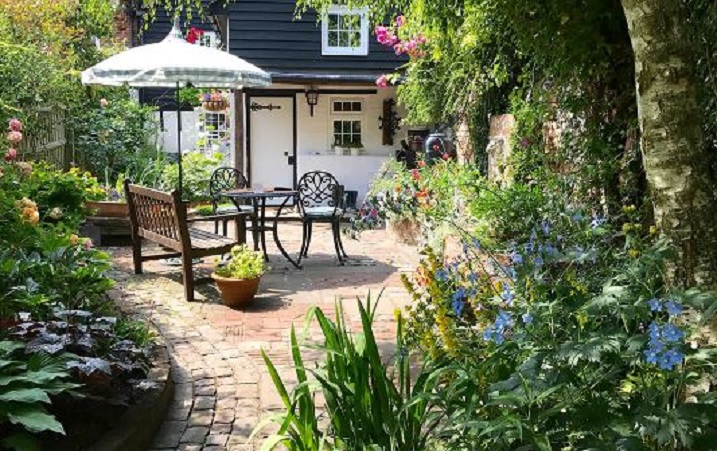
{"x": 47, "y": 140}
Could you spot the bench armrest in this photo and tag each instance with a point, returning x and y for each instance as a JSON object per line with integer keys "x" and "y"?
{"x": 227, "y": 216}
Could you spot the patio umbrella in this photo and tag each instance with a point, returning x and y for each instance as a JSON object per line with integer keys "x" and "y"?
{"x": 175, "y": 63}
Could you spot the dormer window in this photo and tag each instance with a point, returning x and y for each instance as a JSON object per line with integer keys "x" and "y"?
{"x": 345, "y": 31}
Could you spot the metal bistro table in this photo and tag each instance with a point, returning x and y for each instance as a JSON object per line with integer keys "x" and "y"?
{"x": 259, "y": 221}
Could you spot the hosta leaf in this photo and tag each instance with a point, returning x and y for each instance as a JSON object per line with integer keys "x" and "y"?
{"x": 35, "y": 419}
{"x": 26, "y": 395}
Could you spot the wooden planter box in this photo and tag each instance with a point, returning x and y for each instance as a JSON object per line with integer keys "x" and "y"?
{"x": 108, "y": 209}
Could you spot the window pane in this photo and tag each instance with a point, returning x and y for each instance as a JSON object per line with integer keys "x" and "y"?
{"x": 343, "y": 39}
{"x": 333, "y": 38}
{"x": 351, "y": 22}
{"x": 356, "y": 127}
{"x": 338, "y": 106}
{"x": 333, "y": 22}
{"x": 346, "y": 126}
{"x": 337, "y": 127}
{"x": 354, "y": 39}
{"x": 356, "y": 106}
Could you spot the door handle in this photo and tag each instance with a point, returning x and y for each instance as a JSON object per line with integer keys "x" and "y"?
{"x": 291, "y": 160}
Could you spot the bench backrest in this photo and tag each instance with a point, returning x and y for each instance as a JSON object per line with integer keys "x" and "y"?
{"x": 157, "y": 216}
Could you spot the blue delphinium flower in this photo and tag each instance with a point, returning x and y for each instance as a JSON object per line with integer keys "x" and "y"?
{"x": 458, "y": 301}
{"x": 442, "y": 275}
{"x": 488, "y": 333}
{"x": 672, "y": 333}
{"x": 578, "y": 251}
{"x": 507, "y": 295}
{"x": 576, "y": 217}
{"x": 472, "y": 277}
{"x": 652, "y": 355}
{"x": 476, "y": 243}
{"x": 527, "y": 318}
{"x": 538, "y": 261}
{"x": 671, "y": 358}
{"x": 597, "y": 222}
{"x": 516, "y": 258}
{"x": 655, "y": 305}
{"x": 503, "y": 320}
{"x": 496, "y": 332}
{"x": 546, "y": 227}
{"x": 673, "y": 308}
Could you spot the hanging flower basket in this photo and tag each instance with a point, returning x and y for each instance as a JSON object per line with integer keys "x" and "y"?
{"x": 215, "y": 105}
{"x": 214, "y": 101}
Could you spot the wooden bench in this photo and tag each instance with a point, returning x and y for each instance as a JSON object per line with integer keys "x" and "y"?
{"x": 161, "y": 218}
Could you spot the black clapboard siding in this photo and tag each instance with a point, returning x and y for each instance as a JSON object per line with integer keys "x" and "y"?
{"x": 266, "y": 33}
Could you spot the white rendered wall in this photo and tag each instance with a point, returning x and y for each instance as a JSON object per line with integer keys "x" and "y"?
{"x": 167, "y": 139}
{"x": 315, "y": 139}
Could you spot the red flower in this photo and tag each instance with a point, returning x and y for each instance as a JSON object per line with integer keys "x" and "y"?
{"x": 445, "y": 156}
{"x": 421, "y": 164}
{"x": 415, "y": 174}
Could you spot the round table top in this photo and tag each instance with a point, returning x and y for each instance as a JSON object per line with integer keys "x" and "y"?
{"x": 249, "y": 193}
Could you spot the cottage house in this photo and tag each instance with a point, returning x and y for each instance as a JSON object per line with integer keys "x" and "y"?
{"x": 323, "y": 110}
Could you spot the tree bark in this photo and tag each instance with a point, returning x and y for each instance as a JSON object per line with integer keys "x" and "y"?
{"x": 674, "y": 154}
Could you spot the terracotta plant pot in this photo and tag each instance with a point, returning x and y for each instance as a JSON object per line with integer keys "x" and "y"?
{"x": 236, "y": 292}
{"x": 109, "y": 209}
{"x": 215, "y": 105}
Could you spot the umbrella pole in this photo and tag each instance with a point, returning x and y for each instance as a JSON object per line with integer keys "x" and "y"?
{"x": 179, "y": 141}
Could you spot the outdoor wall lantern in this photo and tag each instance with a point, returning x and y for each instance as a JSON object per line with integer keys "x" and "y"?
{"x": 312, "y": 99}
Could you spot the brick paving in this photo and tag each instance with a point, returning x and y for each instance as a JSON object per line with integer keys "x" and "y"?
{"x": 222, "y": 387}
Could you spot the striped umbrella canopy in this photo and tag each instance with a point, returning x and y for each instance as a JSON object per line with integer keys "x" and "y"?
{"x": 175, "y": 63}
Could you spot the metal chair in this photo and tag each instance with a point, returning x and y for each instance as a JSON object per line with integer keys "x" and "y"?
{"x": 320, "y": 199}
{"x": 225, "y": 179}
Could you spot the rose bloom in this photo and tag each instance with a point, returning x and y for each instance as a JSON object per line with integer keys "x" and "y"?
{"x": 382, "y": 81}
{"x": 88, "y": 244}
{"x": 30, "y": 215}
{"x": 56, "y": 213}
{"x": 421, "y": 164}
{"x": 26, "y": 203}
{"x": 14, "y": 137}
{"x": 25, "y": 167}
{"x": 74, "y": 239}
{"x": 15, "y": 125}
{"x": 104, "y": 103}
{"x": 10, "y": 155}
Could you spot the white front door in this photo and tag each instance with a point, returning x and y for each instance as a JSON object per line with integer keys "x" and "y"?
{"x": 271, "y": 135}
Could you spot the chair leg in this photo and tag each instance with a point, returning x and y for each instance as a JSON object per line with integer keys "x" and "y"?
{"x": 224, "y": 227}
{"x": 335, "y": 233}
{"x": 341, "y": 242}
{"x": 216, "y": 227}
{"x": 310, "y": 230}
{"x": 304, "y": 236}
{"x": 188, "y": 276}
{"x": 137, "y": 254}
{"x": 240, "y": 229}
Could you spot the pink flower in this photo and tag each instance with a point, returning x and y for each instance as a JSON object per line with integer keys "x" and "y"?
{"x": 415, "y": 174}
{"x": 382, "y": 81}
{"x": 25, "y": 167}
{"x": 381, "y": 32}
{"x": 10, "y": 155}
{"x": 104, "y": 103}
{"x": 15, "y": 125}
{"x": 88, "y": 244}
{"x": 400, "y": 21}
{"x": 14, "y": 137}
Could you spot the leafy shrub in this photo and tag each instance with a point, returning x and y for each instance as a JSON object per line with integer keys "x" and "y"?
{"x": 27, "y": 384}
{"x": 243, "y": 264}
{"x": 368, "y": 406}
{"x": 109, "y": 136}
{"x": 566, "y": 337}
{"x": 196, "y": 170}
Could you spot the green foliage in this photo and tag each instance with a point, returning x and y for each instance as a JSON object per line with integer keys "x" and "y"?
{"x": 243, "y": 264}
{"x": 546, "y": 334}
{"x": 110, "y": 139}
{"x": 369, "y": 407}
{"x": 197, "y": 169}
{"x": 26, "y": 385}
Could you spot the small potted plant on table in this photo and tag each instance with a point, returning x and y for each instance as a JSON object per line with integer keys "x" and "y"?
{"x": 238, "y": 279}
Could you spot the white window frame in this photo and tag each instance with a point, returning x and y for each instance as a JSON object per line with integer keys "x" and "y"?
{"x": 208, "y": 39}
{"x": 362, "y": 49}
{"x": 212, "y": 139}
{"x": 354, "y": 116}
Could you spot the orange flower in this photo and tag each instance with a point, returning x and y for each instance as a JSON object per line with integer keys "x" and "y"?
{"x": 30, "y": 215}
{"x": 421, "y": 164}
{"x": 74, "y": 239}
{"x": 398, "y": 188}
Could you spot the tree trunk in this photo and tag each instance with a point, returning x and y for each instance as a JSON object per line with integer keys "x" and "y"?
{"x": 681, "y": 185}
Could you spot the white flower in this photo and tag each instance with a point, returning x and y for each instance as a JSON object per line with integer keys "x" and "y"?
{"x": 56, "y": 213}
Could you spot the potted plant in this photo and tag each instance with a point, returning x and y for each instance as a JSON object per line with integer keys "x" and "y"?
{"x": 353, "y": 148}
{"x": 238, "y": 279}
